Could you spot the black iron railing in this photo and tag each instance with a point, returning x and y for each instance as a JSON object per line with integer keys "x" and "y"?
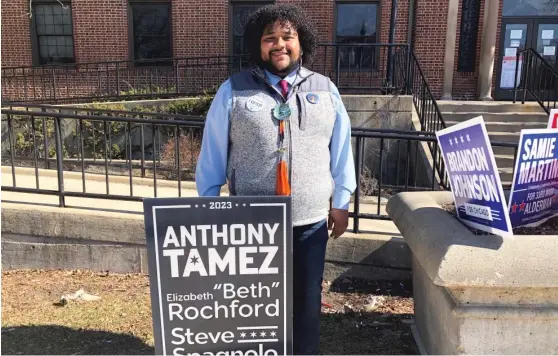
{"x": 431, "y": 120}
{"x": 388, "y": 162}
{"x": 366, "y": 68}
{"x": 81, "y": 82}
{"x": 429, "y": 114}
{"x": 95, "y": 134}
{"x": 157, "y": 148}
{"x": 362, "y": 68}
{"x": 152, "y": 146}
{"x": 94, "y": 110}
{"x": 536, "y": 78}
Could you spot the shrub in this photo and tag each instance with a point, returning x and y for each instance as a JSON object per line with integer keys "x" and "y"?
{"x": 189, "y": 150}
{"x": 199, "y": 106}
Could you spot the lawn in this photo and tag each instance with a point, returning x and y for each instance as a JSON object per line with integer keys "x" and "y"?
{"x": 357, "y": 317}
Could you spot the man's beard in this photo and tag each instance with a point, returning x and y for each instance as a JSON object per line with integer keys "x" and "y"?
{"x": 293, "y": 64}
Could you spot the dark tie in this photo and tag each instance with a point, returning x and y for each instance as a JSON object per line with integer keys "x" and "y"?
{"x": 282, "y": 186}
{"x": 284, "y": 87}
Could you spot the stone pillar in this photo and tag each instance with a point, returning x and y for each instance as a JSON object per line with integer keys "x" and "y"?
{"x": 449, "y": 57}
{"x": 488, "y": 48}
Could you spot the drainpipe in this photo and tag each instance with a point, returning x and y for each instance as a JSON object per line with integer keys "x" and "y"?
{"x": 410, "y": 43}
{"x": 411, "y": 22}
{"x": 390, "y": 49}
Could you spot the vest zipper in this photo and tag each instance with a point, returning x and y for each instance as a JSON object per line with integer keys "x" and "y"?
{"x": 288, "y": 124}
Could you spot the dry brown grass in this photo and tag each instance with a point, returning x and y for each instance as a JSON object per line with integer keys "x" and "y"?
{"x": 120, "y": 323}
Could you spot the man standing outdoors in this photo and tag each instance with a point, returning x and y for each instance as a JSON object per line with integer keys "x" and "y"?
{"x": 281, "y": 129}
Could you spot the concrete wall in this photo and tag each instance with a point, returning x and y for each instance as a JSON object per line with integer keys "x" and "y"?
{"x": 46, "y": 237}
{"x": 382, "y": 112}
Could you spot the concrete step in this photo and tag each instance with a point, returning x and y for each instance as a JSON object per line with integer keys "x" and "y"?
{"x": 504, "y": 151}
{"x": 507, "y": 126}
{"x": 489, "y": 107}
{"x": 497, "y": 136}
{"x": 506, "y": 174}
{"x": 505, "y": 164}
{"x": 504, "y": 161}
{"x": 509, "y": 117}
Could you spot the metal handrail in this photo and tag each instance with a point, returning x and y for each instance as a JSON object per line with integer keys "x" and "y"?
{"x": 538, "y": 78}
{"x": 120, "y": 61}
{"x": 189, "y": 58}
{"x": 100, "y": 118}
{"x": 430, "y": 116}
{"x": 428, "y": 91}
{"x": 371, "y": 70}
{"x": 104, "y": 111}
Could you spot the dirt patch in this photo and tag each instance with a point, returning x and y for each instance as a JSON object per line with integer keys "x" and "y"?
{"x": 549, "y": 227}
{"x": 364, "y": 318}
{"x": 34, "y": 322}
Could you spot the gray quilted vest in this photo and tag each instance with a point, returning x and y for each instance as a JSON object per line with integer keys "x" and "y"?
{"x": 254, "y": 142}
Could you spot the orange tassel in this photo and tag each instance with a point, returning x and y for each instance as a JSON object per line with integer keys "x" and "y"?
{"x": 281, "y": 127}
{"x": 282, "y": 187}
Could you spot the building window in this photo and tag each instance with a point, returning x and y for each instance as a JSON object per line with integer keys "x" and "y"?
{"x": 522, "y": 8}
{"x": 467, "y": 55}
{"x": 240, "y": 13}
{"x": 53, "y": 40}
{"x": 150, "y": 32}
{"x": 357, "y": 23}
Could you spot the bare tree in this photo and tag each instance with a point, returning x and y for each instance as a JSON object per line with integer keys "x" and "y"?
{"x": 30, "y": 13}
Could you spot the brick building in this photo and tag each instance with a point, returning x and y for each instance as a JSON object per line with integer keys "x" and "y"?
{"x": 462, "y": 45}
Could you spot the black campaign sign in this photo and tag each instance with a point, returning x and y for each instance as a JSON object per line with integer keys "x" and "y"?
{"x": 220, "y": 275}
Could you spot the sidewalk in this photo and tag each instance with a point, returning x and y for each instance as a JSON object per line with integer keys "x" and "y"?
{"x": 142, "y": 187}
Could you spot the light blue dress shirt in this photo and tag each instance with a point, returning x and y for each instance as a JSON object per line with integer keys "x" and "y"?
{"x": 212, "y": 163}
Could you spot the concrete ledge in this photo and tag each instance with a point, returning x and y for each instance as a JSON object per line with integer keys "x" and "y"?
{"x": 477, "y": 294}
{"x": 336, "y": 271}
{"x": 101, "y": 226}
{"x": 375, "y": 102}
{"x": 35, "y": 236}
{"x": 363, "y": 102}
{"x": 452, "y": 256}
{"x": 114, "y": 258}
{"x": 375, "y": 250}
{"x": 148, "y": 182}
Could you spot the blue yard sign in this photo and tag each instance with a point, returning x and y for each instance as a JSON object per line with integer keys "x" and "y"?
{"x": 534, "y": 194}
{"x": 475, "y": 182}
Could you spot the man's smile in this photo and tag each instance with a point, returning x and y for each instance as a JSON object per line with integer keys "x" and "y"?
{"x": 279, "y": 54}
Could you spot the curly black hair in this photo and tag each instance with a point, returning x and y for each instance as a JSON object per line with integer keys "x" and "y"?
{"x": 283, "y": 13}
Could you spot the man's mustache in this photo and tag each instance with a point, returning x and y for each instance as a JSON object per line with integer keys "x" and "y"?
{"x": 280, "y": 50}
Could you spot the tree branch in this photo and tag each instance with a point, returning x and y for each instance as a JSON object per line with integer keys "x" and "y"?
{"x": 30, "y": 13}
{"x": 64, "y": 7}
